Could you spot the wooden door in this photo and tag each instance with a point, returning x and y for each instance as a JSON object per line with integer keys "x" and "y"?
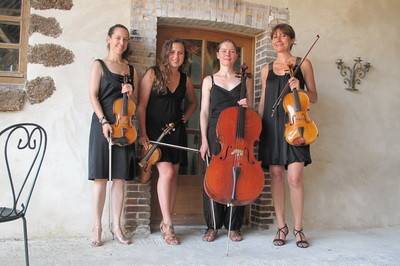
{"x": 201, "y": 46}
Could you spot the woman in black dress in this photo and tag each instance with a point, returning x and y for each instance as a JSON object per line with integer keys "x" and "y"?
{"x": 106, "y": 86}
{"x": 163, "y": 90}
{"x": 219, "y": 91}
{"x": 275, "y": 153}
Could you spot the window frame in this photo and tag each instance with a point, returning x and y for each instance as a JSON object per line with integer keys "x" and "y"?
{"x": 18, "y": 76}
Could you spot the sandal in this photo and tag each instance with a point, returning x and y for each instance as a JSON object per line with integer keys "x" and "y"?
{"x": 236, "y": 236}
{"x": 210, "y": 235}
{"x": 278, "y": 241}
{"x": 96, "y": 241}
{"x": 302, "y": 243}
{"x": 168, "y": 234}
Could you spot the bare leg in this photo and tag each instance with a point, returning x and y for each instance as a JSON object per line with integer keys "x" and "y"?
{"x": 174, "y": 186}
{"x": 278, "y": 193}
{"x": 99, "y": 197}
{"x": 118, "y": 194}
{"x": 295, "y": 180}
{"x": 166, "y": 188}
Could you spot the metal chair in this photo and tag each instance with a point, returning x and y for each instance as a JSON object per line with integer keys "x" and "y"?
{"x": 24, "y": 148}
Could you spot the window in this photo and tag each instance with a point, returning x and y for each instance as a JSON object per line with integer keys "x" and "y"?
{"x": 14, "y": 18}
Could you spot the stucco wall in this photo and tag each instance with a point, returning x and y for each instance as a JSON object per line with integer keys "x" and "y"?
{"x": 353, "y": 181}
{"x": 61, "y": 202}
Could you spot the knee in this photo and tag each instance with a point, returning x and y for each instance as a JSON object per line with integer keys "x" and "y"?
{"x": 295, "y": 181}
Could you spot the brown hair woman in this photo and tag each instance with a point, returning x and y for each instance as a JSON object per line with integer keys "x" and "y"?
{"x": 275, "y": 153}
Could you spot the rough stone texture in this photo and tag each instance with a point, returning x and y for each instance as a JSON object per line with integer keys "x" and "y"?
{"x": 40, "y": 89}
{"x": 50, "y": 4}
{"x": 46, "y": 26}
{"x": 11, "y": 99}
{"x": 50, "y": 55}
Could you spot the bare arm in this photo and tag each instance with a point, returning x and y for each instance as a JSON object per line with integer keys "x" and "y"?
{"x": 136, "y": 82}
{"x": 308, "y": 74}
{"x": 191, "y": 100}
{"x": 264, "y": 76}
{"x": 94, "y": 87}
{"x": 204, "y": 113}
{"x": 144, "y": 95}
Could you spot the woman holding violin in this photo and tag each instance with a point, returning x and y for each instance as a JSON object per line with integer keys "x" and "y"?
{"x": 163, "y": 91}
{"x": 220, "y": 91}
{"x": 107, "y": 85}
{"x": 274, "y": 151}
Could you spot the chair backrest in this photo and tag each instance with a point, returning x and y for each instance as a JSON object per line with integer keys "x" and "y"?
{"x": 24, "y": 146}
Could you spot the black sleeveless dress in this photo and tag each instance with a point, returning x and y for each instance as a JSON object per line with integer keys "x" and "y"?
{"x": 163, "y": 109}
{"x": 273, "y": 149}
{"x": 220, "y": 99}
{"x": 123, "y": 158}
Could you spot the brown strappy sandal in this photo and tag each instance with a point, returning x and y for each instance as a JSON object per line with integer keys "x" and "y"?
{"x": 168, "y": 234}
{"x": 210, "y": 235}
{"x": 302, "y": 243}
{"x": 236, "y": 235}
{"x": 278, "y": 241}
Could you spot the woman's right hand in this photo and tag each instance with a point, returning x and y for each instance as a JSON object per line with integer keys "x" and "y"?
{"x": 144, "y": 140}
{"x": 204, "y": 150}
{"x": 107, "y": 131}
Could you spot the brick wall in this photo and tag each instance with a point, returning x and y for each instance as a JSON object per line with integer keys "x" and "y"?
{"x": 230, "y": 15}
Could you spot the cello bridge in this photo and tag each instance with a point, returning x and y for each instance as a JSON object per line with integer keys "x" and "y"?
{"x": 238, "y": 152}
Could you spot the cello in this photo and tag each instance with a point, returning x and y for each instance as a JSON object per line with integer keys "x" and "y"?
{"x": 234, "y": 176}
{"x": 123, "y": 130}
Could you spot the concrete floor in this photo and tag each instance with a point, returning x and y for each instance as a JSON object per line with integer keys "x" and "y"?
{"x": 380, "y": 246}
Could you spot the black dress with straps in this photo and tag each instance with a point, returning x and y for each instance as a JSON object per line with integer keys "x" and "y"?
{"x": 123, "y": 158}
{"x": 163, "y": 109}
{"x": 273, "y": 149}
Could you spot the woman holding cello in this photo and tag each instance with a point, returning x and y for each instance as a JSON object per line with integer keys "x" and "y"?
{"x": 107, "y": 85}
{"x": 274, "y": 151}
{"x": 163, "y": 90}
{"x": 220, "y": 91}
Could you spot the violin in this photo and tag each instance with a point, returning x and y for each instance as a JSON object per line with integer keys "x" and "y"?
{"x": 123, "y": 130}
{"x": 152, "y": 154}
{"x": 300, "y": 128}
{"x": 234, "y": 176}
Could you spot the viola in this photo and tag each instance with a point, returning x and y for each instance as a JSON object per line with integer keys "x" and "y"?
{"x": 152, "y": 155}
{"x": 123, "y": 130}
{"x": 234, "y": 176}
{"x": 300, "y": 128}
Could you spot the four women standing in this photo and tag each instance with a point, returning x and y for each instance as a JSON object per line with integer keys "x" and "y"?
{"x": 166, "y": 95}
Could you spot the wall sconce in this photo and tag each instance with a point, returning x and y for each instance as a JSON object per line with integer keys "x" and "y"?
{"x": 353, "y": 76}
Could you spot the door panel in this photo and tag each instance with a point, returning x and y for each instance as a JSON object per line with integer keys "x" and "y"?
{"x": 201, "y": 46}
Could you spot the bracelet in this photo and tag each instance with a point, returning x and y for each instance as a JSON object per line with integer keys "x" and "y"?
{"x": 101, "y": 119}
{"x": 105, "y": 122}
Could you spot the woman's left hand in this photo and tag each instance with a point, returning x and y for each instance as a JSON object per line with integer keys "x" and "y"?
{"x": 243, "y": 102}
{"x": 126, "y": 87}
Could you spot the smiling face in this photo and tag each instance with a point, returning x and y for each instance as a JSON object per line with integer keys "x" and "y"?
{"x": 227, "y": 54}
{"x": 281, "y": 42}
{"x": 118, "y": 41}
{"x": 176, "y": 55}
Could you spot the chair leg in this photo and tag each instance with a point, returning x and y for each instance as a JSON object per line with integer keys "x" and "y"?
{"x": 26, "y": 241}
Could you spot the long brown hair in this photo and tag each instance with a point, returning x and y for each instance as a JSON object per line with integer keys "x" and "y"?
{"x": 162, "y": 71}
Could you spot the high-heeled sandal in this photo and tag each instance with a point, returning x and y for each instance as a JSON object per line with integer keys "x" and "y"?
{"x": 278, "y": 241}
{"x": 302, "y": 243}
{"x": 210, "y": 235}
{"x": 120, "y": 237}
{"x": 96, "y": 241}
{"x": 168, "y": 234}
